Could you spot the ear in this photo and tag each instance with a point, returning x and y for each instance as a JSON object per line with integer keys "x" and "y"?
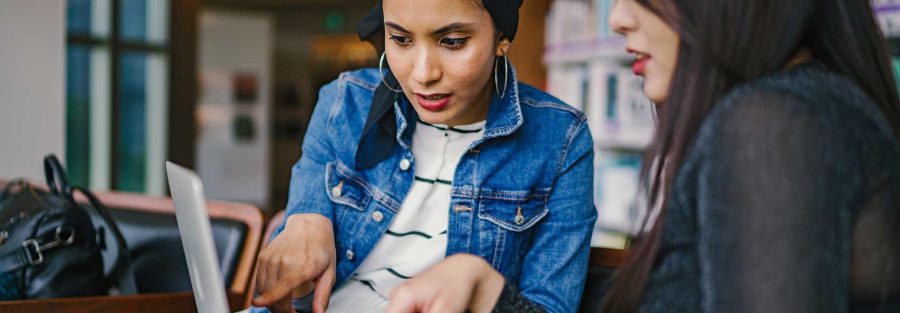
{"x": 502, "y": 47}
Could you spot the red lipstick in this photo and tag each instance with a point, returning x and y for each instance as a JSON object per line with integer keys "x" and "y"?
{"x": 640, "y": 63}
{"x": 433, "y": 102}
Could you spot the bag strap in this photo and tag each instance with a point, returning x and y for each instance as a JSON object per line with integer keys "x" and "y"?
{"x": 14, "y": 260}
{"x": 59, "y": 185}
{"x": 56, "y": 178}
{"x": 122, "y": 267}
{"x": 32, "y": 251}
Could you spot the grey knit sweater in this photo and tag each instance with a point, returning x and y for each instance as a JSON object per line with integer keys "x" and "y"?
{"x": 787, "y": 201}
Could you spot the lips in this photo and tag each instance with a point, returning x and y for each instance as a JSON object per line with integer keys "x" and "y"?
{"x": 639, "y": 66}
{"x": 640, "y": 62}
{"x": 433, "y": 102}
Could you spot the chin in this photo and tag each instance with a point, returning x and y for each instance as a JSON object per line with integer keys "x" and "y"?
{"x": 654, "y": 96}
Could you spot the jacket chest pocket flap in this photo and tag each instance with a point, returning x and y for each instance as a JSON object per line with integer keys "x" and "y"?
{"x": 512, "y": 212}
{"x": 345, "y": 187}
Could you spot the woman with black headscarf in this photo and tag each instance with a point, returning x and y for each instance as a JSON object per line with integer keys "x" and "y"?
{"x": 438, "y": 154}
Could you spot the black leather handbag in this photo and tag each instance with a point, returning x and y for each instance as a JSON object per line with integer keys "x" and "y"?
{"x": 49, "y": 247}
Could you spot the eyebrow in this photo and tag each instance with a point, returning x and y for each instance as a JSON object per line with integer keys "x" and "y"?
{"x": 453, "y": 27}
{"x": 443, "y": 30}
{"x": 397, "y": 27}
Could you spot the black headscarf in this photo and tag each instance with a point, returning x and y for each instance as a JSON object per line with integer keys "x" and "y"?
{"x": 505, "y": 14}
{"x": 379, "y": 135}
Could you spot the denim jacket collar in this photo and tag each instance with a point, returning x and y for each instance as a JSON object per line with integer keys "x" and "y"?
{"x": 377, "y": 142}
{"x": 504, "y": 115}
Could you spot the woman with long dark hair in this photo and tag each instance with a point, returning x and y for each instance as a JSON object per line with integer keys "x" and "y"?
{"x": 773, "y": 182}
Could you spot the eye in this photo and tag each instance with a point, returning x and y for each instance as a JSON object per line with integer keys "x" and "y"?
{"x": 454, "y": 43}
{"x": 402, "y": 41}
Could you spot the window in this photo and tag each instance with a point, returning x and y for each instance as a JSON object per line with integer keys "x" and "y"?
{"x": 116, "y": 93}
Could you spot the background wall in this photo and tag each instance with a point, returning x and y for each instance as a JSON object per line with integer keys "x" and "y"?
{"x": 233, "y": 130}
{"x": 32, "y": 74}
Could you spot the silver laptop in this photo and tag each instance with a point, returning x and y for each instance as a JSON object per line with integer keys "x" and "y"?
{"x": 197, "y": 239}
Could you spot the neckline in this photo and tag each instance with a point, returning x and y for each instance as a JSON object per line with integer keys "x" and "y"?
{"x": 464, "y": 129}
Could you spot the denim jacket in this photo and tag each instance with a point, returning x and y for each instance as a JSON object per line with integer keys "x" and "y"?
{"x": 521, "y": 196}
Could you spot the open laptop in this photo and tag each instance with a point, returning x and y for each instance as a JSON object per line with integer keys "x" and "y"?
{"x": 197, "y": 239}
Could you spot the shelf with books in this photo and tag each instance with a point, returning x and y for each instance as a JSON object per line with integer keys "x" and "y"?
{"x": 616, "y": 176}
{"x": 886, "y": 6}
{"x": 621, "y": 133}
{"x": 588, "y": 68}
{"x": 582, "y": 51}
{"x": 608, "y": 239}
{"x": 888, "y": 14}
{"x": 625, "y": 143}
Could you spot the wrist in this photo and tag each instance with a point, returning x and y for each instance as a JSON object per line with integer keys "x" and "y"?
{"x": 311, "y": 228}
{"x": 488, "y": 286}
{"x": 307, "y": 221}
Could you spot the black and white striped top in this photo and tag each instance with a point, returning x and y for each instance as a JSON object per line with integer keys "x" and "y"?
{"x": 417, "y": 237}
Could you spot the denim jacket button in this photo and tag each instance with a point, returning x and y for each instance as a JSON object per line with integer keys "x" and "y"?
{"x": 519, "y": 220}
{"x": 350, "y": 255}
{"x": 377, "y": 216}
{"x": 404, "y": 164}
{"x": 337, "y": 190}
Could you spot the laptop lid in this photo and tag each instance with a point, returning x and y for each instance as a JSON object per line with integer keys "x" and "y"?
{"x": 196, "y": 237}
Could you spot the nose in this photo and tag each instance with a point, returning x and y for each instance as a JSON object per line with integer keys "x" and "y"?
{"x": 427, "y": 67}
{"x": 621, "y": 18}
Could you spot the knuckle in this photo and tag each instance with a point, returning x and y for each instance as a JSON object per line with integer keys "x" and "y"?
{"x": 285, "y": 261}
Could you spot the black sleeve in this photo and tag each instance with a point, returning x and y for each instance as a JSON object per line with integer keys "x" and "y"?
{"x": 780, "y": 186}
{"x": 511, "y": 301}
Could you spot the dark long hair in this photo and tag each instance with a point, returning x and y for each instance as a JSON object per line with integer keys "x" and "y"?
{"x": 724, "y": 43}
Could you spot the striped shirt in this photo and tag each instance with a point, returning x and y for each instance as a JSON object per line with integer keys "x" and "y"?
{"x": 417, "y": 237}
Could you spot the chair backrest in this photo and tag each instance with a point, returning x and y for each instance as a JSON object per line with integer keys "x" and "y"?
{"x": 606, "y": 257}
{"x": 157, "y": 256}
{"x": 274, "y": 223}
{"x": 602, "y": 263}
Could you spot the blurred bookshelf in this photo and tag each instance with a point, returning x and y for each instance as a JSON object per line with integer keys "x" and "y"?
{"x": 888, "y": 14}
{"x": 589, "y": 68}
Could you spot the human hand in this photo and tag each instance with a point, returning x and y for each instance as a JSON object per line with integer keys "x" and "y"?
{"x": 458, "y": 283}
{"x": 300, "y": 260}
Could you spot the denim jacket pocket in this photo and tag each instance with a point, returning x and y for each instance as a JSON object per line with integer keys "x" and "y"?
{"x": 345, "y": 188}
{"x": 511, "y": 212}
{"x": 507, "y": 227}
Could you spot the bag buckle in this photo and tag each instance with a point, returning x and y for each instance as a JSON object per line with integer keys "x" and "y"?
{"x": 34, "y": 251}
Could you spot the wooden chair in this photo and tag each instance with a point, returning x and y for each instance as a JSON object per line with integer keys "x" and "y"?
{"x": 603, "y": 262}
{"x": 150, "y": 230}
{"x": 274, "y": 223}
{"x": 608, "y": 258}
{"x": 240, "y": 265}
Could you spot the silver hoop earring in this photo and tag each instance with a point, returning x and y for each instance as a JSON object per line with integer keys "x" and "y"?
{"x": 505, "y": 75}
{"x": 381, "y": 72}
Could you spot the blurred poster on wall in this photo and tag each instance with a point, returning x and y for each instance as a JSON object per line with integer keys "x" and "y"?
{"x": 245, "y": 88}
{"x": 234, "y": 104}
